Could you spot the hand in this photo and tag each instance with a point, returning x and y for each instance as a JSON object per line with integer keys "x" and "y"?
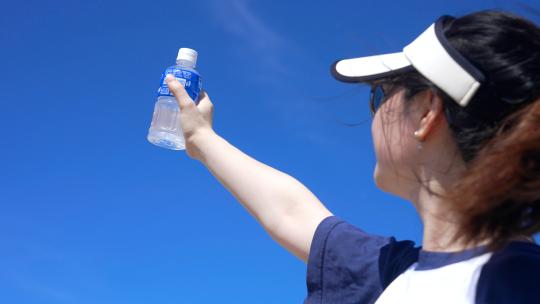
{"x": 196, "y": 119}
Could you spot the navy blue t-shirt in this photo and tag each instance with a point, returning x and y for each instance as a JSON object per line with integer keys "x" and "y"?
{"x": 348, "y": 265}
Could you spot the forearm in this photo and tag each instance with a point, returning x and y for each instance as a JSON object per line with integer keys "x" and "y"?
{"x": 285, "y": 207}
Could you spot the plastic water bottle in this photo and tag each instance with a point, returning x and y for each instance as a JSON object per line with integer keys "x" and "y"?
{"x": 166, "y": 130}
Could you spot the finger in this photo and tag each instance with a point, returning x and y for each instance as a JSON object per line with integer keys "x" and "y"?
{"x": 179, "y": 92}
{"x": 206, "y": 107}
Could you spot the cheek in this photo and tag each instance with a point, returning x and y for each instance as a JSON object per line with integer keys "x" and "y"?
{"x": 387, "y": 139}
{"x": 393, "y": 149}
{"x": 377, "y": 133}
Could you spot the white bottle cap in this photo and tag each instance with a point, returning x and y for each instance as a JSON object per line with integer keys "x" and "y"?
{"x": 187, "y": 55}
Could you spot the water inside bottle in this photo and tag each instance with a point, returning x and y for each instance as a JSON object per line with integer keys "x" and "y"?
{"x": 166, "y": 130}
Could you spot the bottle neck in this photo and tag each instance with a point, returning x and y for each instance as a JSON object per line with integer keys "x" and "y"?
{"x": 185, "y": 63}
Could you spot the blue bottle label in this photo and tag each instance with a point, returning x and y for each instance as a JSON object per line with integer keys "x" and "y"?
{"x": 190, "y": 79}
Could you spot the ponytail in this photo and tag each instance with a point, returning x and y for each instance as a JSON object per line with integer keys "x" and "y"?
{"x": 499, "y": 195}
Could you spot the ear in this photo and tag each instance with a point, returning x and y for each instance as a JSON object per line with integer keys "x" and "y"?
{"x": 431, "y": 113}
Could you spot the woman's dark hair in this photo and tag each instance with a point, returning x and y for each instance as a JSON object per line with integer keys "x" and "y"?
{"x": 498, "y": 133}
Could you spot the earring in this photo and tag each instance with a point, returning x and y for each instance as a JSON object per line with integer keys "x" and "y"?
{"x": 419, "y": 146}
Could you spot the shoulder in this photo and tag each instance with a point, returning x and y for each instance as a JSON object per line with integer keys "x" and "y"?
{"x": 395, "y": 258}
{"x": 511, "y": 275}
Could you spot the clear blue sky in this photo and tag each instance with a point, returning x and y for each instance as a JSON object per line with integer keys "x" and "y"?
{"x": 90, "y": 212}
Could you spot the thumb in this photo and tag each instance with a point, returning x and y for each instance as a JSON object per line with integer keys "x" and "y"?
{"x": 179, "y": 92}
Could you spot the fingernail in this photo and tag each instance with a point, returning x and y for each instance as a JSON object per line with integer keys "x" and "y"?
{"x": 169, "y": 77}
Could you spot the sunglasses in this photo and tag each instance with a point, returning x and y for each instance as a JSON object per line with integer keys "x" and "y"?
{"x": 376, "y": 98}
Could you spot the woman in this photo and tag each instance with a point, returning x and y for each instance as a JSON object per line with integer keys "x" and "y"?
{"x": 456, "y": 131}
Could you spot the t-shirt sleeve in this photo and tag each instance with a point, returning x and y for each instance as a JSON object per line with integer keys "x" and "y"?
{"x": 343, "y": 264}
{"x": 511, "y": 276}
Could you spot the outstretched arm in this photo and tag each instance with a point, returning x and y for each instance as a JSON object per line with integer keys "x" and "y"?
{"x": 285, "y": 208}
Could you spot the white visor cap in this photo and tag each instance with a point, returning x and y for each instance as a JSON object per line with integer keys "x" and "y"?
{"x": 430, "y": 54}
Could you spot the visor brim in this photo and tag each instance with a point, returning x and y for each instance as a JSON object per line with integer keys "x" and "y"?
{"x": 370, "y": 68}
